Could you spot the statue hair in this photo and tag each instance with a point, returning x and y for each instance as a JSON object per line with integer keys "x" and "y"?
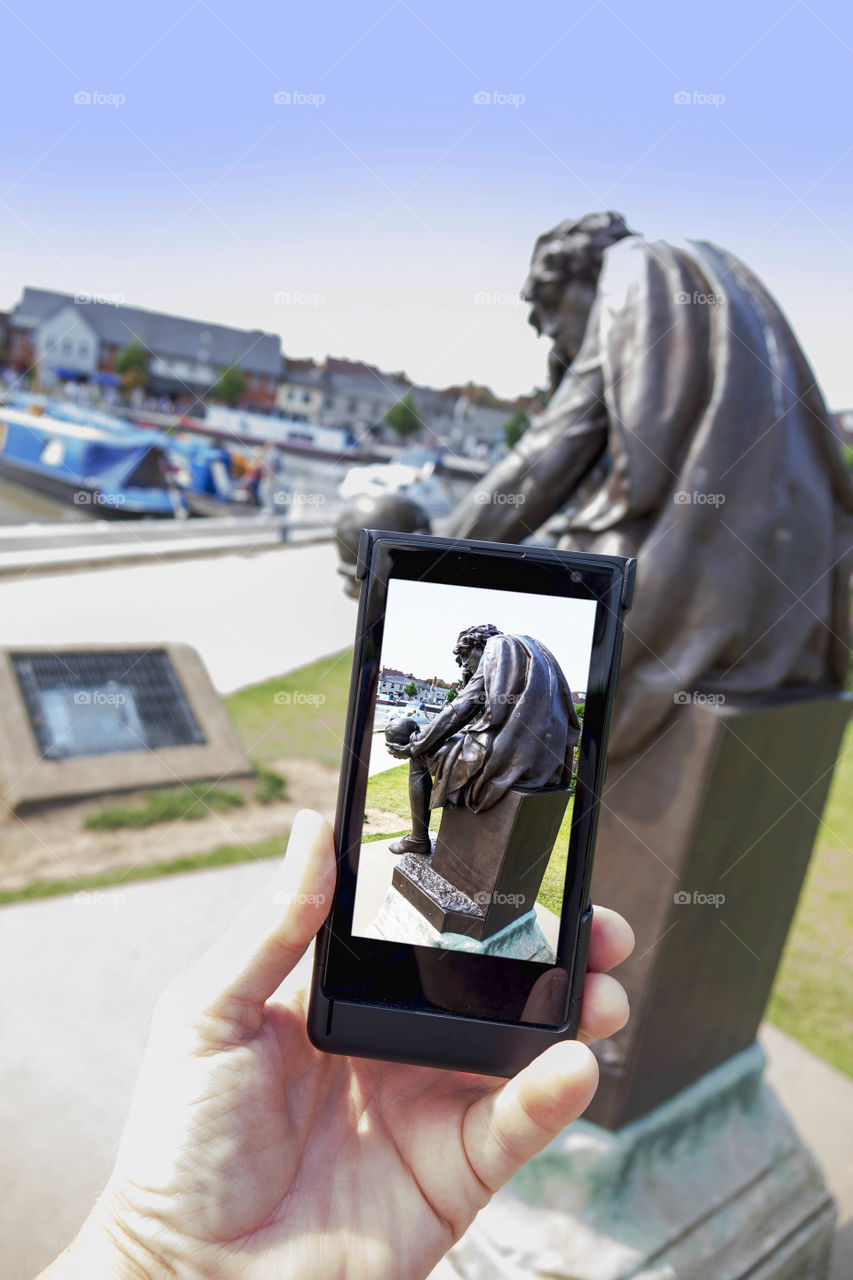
{"x": 474, "y": 637}
{"x": 574, "y": 249}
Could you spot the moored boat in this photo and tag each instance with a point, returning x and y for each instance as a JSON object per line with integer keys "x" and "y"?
{"x": 104, "y": 472}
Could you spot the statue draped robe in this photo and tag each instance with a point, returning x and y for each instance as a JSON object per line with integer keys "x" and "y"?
{"x": 513, "y": 725}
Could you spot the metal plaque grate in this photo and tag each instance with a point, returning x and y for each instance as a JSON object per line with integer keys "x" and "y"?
{"x": 83, "y": 704}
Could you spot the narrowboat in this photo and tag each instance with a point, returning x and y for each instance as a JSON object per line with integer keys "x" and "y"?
{"x": 108, "y": 473}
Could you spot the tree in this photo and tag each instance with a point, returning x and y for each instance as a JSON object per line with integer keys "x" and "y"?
{"x": 515, "y": 427}
{"x": 132, "y": 364}
{"x": 411, "y": 689}
{"x": 403, "y": 417}
{"x": 451, "y": 693}
{"x": 230, "y": 385}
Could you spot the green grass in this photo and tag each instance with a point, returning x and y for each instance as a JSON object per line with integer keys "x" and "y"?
{"x": 389, "y": 791}
{"x": 223, "y": 856}
{"x": 810, "y": 1000}
{"x": 172, "y": 805}
{"x": 300, "y": 715}
{"x": 269, "y": 786}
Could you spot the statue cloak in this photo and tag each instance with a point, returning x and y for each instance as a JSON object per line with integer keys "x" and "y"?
{"x": 690, "y": 432}
{"x": 522, "y": 733}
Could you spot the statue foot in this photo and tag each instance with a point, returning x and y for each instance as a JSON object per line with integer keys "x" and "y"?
{"x": 408, "y": 844}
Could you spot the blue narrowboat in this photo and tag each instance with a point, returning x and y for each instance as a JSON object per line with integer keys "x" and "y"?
{"x": 106, "y": 472}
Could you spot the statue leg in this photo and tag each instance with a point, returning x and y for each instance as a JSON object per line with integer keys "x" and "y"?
{"x": 420, "y": 790}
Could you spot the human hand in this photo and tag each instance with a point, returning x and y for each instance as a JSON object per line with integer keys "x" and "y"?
{"x": 249, "y": 1153}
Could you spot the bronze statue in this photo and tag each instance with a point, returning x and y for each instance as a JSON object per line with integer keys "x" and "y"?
{"x": 513, "y": 725}
{"x": 684, "y": 427}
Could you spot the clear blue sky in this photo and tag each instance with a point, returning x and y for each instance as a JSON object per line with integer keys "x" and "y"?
{"x": 399, "y": 198}
{"x": 563, "y": 625}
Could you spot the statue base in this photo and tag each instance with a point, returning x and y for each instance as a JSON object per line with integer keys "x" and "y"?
{"x": 714, "y": 1182}
{"x": 486, "y": 869}
{"x": 704, "y": 839}
{"x": 399, "y": 921}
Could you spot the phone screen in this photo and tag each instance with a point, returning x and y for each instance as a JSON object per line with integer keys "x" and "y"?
{"x": 472, "y": 773}
{"x": 482, "y": 683}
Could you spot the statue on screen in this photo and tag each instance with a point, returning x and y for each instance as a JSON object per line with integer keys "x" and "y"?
{"x": 512, "y": 726}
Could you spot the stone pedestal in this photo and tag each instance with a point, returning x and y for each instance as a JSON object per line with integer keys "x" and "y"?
{"x": 712, "y": 1185}
{"x": 486, "y": 868}
{"x": 399, "y": 921}
{"x": 703, "y": 842}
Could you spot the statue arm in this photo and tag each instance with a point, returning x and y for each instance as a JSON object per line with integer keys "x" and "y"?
{"x": 465, "y": 706}
{"x": 539, "y": 476}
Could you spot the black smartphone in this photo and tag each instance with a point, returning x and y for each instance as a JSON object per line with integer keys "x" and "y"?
{"x": 476, "y": 743}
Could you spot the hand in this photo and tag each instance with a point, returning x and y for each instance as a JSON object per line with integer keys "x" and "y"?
{"x": 400, "y": 753}
{"x": 249, "y": 1153}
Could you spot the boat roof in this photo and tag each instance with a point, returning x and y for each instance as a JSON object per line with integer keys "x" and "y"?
{"x": 43, "y": 422}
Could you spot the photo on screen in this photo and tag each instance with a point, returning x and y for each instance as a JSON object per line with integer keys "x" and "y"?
{"x": 473, "y": 760}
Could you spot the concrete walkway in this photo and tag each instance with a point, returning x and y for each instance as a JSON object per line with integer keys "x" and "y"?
{"x": 251, "y": 616}
{"x": 81, "y": 977}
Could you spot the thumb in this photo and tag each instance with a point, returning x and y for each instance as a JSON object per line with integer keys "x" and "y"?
{"x": 505, "y": 1128}
{"x": 243, "y": 968}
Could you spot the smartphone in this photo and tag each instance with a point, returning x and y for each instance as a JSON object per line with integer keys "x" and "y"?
{"x": 475, "y": 751}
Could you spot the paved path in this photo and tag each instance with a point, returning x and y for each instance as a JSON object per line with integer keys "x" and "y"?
{"x": 80, "y": 979}
{"x": 250, "y": 616}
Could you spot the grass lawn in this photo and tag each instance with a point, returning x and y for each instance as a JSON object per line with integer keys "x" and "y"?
{"x": 173, "y": 805}
{"x": 302, "y": 714}
{"x": 224, "y": 856}
{"x": 811, "y": 996}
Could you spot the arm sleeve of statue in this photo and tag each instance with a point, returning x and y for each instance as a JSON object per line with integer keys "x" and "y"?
{"x": 539, "y": 476}
{"x": 465, "y": 706}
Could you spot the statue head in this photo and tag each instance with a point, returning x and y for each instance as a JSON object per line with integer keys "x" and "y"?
{"x": 562, "y": 281}
{"x": 470, "y": 644}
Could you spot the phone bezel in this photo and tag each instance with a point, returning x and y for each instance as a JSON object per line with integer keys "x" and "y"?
{"x": 352, "y": 1016}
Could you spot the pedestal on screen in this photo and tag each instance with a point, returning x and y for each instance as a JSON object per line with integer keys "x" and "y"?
{"x": 486, "y": 868}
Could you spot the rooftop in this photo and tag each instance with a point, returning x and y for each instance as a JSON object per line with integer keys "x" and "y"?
{"x": 255, "y": 351}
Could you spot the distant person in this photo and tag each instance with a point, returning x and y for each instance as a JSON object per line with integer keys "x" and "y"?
{"x": 273, "y": 485}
